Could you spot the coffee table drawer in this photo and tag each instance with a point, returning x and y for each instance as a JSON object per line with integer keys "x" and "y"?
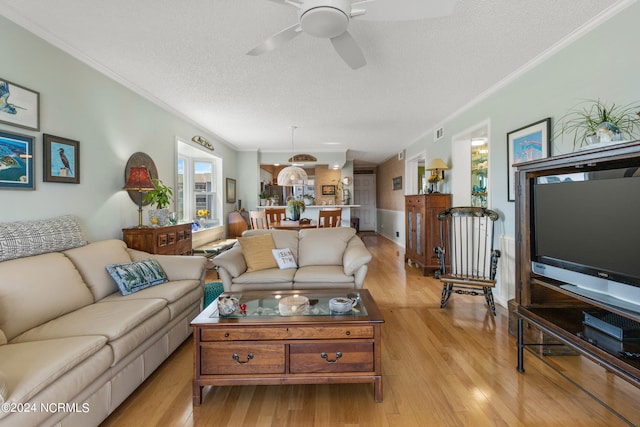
{"x": 286, "y": 333}
{"x": 331, "y": 357}
{"x": 216, "y": 359}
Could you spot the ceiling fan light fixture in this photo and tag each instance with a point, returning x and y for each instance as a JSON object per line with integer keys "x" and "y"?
{"x": 325, "y": 18}
{"x": 324, "y": 22}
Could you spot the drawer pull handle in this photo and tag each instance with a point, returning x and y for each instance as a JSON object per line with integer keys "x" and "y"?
{"x": 324, "y": 356}
{"x": 237, "y": 358}
{"x": 226, "y": 335}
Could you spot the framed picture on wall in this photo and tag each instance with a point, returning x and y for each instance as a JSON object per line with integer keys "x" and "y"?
{"x": 61, "y": 159}
{"x": 19, "y": 106}
{"x": 16, "y": 161}
{"x": 396, "y": 183}
{"x": 530, "y": 142}
{"x": 328, "y": 190}
{"x": 231, "y": 190}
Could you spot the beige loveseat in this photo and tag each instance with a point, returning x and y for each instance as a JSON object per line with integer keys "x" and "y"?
{"x": 72, "y": 347}
{"x": 325, "y": 258}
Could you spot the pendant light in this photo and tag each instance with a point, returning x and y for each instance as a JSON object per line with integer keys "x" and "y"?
{"x": 292, "y": 174}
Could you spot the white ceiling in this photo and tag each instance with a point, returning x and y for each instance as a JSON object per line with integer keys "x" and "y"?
{"x": 190, "y": 57}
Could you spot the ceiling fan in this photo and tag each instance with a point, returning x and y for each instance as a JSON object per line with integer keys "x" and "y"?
{"x": 330, "y": 19}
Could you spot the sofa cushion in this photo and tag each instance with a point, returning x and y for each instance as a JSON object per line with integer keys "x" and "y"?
{"x": 37, "y": 289}
{"x": 27, "y": 374}
{"x": 110, "y": 319}
{"x": 272, "y": 275}
{"x": 323, "y": 246}
{"x": 257, "y": 252}
{"x": 179, "y": 294}
{"x": 90, "y": 261}
{"x": 136, "y": 276}
{"x": 322, "y": 274}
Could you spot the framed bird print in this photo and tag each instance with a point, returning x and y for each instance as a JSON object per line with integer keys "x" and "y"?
{"x": 16, "y": 161}
{"x": 61, "y": 159}
{"x": 19, "y": 106}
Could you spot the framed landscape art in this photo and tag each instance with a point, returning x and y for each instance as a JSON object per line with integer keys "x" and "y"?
{"x": 530, "y": 142}
{"x": 16, "y": 161}
{"x": 61, "y": 159}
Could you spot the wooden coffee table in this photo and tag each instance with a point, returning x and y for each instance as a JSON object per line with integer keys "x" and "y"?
{"x": 259, "y": 346}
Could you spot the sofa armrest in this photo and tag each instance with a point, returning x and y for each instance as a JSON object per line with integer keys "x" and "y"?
{"x": 232, "y": 261}
{"x": 177, "y": 267}
{"x": 355, "y": 256}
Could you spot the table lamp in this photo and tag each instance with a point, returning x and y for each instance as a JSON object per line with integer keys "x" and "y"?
{"x": 139, "y": 180}
{"x": 437, "y": 166}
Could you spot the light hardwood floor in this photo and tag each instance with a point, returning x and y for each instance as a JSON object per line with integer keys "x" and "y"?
{"x": 441, "y": 367}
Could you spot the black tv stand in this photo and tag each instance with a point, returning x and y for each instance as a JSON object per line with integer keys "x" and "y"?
{"x": 550, "y": 305}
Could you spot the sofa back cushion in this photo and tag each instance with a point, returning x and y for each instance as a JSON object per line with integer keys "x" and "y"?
{"x": 323, "y": 246}
{"x": 91, "y": 262}
{"x": 37, "y": 289}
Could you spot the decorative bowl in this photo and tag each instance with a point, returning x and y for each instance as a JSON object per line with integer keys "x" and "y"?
{"x": 293, "y": 305}
{"x": 227, "y": 305}
{"x": 342, "y": 304}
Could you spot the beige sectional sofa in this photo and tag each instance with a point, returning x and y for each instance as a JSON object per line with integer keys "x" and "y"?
{"x": 325, "y": 258}
{"x": 72, "y": 347}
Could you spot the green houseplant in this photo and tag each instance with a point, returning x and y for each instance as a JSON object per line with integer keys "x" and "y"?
{"x": 296, "y": 207}
{"x": 593, "y": 121}
{"x": 263, "y": 197}
{"x": 160, "y": 197}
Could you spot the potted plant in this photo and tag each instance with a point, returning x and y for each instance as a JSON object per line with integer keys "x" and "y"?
{"x": 593, "y": 121}
{"x": 160, "y": 197}
{"x": 263, "y": 198}
{"x": 296, "y": 207}
{"x": 308, "y": 199}
{"x": 274, "y": 200}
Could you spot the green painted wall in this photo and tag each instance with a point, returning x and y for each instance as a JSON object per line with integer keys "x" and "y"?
{"x": 602, "y": 64}
{"x": 110, "y": 121}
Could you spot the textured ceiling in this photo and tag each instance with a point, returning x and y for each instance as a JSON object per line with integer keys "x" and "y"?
{"x": 190, "y": 56}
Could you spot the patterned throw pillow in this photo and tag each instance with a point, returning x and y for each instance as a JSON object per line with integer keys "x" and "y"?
{"x": 284, "y": 258}
{"x": 135, "y": 276}
{"x": 27, "y": 238}
{"x": 4, "y": 388}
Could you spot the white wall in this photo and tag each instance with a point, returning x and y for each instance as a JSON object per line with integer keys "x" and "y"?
{"x": 110, "y": 121}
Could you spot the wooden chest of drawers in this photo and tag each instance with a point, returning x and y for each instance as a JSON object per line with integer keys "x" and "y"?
{"x": 169, "y": 240}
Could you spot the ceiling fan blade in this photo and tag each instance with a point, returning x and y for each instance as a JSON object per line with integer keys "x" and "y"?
{"x": 349, "y": 50}
{"x": 276, "y": 40}
{"x": 406, "y": 10}
{"x": 293, "y": 3}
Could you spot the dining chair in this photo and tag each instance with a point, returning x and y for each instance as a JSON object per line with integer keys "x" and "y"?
{"x": 258, "y": 220}
{"x": 275, "y": 215}
{"x": 468, "y": 261}
{"x": 329, "y": 217}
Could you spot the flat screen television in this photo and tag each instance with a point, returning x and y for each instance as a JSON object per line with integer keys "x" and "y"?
{"x": 586, "y": 233}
